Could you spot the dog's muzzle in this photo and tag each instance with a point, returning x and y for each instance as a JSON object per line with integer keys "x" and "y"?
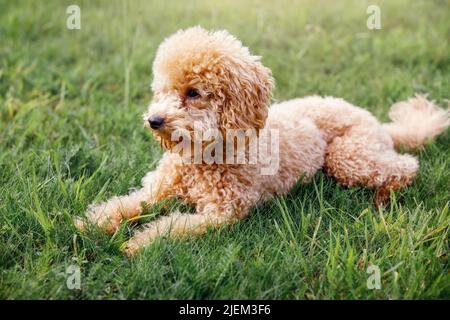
{"x": 156, "y": 122}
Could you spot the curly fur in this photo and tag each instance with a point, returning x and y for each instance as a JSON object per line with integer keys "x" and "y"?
{"x": 235, "y": 91}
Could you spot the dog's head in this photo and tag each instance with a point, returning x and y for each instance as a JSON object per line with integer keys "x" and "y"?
{"x": 210, "y": 79}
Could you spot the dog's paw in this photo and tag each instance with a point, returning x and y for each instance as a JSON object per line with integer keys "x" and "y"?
{"x": 79, "y": 223}
{"x": 101, "y": 216}
{"x": 382, "y": 197}
{"x": 131, "y": 248}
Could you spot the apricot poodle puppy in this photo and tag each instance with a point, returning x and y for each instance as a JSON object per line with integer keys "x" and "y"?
{"x": 211, "y": 79}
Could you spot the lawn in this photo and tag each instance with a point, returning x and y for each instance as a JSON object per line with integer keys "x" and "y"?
{"x": 71, "y": 133}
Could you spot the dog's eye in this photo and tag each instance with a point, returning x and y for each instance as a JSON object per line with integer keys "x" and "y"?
{"x": 192, "y": 93}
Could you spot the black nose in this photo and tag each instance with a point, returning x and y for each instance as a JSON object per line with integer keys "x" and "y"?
{"x": 155, "y": 122}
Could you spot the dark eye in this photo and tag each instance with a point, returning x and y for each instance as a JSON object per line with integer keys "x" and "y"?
{"x": 192, "y": 93}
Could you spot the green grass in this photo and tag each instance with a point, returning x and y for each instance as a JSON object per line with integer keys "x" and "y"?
{"x": 71, "y": 134}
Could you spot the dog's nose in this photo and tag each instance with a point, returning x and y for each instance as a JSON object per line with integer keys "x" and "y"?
{"x": 155, "y": 122}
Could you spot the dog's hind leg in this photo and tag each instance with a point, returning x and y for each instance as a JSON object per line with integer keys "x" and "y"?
{"x": 366, "y": 157}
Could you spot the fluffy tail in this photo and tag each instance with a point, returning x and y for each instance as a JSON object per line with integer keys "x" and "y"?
{"x": 416, "y": 121}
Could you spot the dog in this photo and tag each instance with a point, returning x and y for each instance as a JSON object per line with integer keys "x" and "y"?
{"x": 211, "y": 79}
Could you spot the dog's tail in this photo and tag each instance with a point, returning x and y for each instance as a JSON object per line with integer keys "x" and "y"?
{"x": 416, "y": 121}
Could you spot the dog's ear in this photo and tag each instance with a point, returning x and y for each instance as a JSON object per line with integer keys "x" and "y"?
{"x": 246, "y": 96}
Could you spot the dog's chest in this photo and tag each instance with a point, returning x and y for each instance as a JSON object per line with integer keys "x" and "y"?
{"x": 212, "y": 183}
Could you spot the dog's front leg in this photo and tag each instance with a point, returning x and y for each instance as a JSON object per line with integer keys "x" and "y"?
{"x": 109, "y": 214}
{"x": 178, "y": 225}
